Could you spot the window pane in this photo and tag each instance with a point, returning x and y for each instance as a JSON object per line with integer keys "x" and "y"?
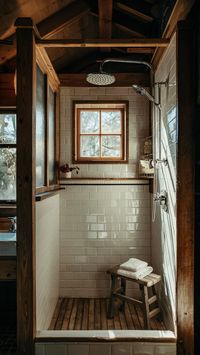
{"x": 7, "y": 174}
{"x": 89, "y": 122}
{"x": 111, "y": 121}
{"x": 8, "y": 128}
{"x": 51, "y": 147}
{"x": 40, "y": 128}
{"x": 89, "y": 146}
{"x": 111, "y": 146}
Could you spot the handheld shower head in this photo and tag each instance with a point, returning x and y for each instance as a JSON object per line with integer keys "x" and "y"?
{"x": 142, "y": 91}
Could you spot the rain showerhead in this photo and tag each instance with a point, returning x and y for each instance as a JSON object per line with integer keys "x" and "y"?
{"x": 100, "y": 78}
{"x": 142, "y": 91}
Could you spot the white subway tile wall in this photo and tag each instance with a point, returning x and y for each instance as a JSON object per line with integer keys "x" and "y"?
{"x": 47, "y": 260}
{"x": 138, "y": 128}
{"x": 137, "y": 348}
{"x": 101, "y": 226}
{"x": 164, "y": 227}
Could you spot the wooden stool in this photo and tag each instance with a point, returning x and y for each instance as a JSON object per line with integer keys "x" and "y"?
{"x": 144, "y": 284}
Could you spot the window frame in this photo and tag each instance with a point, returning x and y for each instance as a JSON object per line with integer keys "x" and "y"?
{"x": 123, "y": 108}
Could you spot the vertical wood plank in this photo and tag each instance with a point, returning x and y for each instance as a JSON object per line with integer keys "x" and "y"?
{"x": 91, "y": 314}
{"x": 185, "y": 189}
{"x": 67, "y": 314}
{"x": 85, "y": 314}
{"x": 26, "y": 92}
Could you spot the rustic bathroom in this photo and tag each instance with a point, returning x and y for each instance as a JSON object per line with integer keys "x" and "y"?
{"x": 89, "y": 184}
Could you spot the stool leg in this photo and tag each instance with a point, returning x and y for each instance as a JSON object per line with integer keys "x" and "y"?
{"x": 159, "y": 316}
{"x": 145, "y": 307}
{"x": 123, "y": 292}
{"x": 112, "y": 298}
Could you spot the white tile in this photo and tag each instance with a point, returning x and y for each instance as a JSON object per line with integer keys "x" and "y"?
{"x": 121, "y": 349}
{"x": 55, "y": 348}
{"x": 100, "y": 349}
{"x": 143, "y": 349}
{"x": 165, "y": 349}
{"x": 39, "y": 349}
{"x": 82, "y": 349}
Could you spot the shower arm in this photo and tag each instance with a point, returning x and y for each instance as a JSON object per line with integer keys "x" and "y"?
{"x": 130, "y": 61}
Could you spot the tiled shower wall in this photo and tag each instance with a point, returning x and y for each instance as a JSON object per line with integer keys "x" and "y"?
{"x": 138, "y": 128}
{"x": 164, "y": 227}
{"x": 101, "y": 226}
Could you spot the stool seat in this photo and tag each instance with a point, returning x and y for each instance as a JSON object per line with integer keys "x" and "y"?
{"x": 146, "y": 283}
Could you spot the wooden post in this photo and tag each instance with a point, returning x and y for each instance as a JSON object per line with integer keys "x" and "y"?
{"x": 26, "y": 92}
{"x": 185, "y": 189}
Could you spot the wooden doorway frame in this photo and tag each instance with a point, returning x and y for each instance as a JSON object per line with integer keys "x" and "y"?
{"x": 26, "y": 64}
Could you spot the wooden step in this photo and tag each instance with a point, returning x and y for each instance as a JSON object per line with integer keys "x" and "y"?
{"x": 152, "y": 299}
{"x": 154, "y": 312}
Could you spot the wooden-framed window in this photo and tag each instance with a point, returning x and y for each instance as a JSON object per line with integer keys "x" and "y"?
{"x": 100, "y": 132}
{"x": 8, "y": 151}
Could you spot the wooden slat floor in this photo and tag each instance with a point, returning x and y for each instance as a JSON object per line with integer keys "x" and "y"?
{"x": 90, "y": 314}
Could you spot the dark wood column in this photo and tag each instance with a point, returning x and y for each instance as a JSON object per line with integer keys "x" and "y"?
{"x": 185, "y": 188}
{"x": 26, "y": 82}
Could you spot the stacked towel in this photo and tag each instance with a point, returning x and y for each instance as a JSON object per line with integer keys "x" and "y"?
{"x": 135, "y": 269}
{"x": 138, "y": 274}
{"x": 133, "y": 264}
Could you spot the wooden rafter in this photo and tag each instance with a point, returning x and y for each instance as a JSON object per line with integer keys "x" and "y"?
{"x": 138, "y": 14}
{"x": 105, "y": 19}
{"x": 92, "y": 43}
{"x": 50, "y": 26}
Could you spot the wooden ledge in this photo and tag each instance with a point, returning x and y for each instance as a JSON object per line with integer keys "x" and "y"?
{"x": 44, "y": 195}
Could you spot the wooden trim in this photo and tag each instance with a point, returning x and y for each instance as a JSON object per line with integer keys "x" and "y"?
{"x": 185, "y": 189}
{"x": 47, "y": 68}
{"x": 26, "y": 290}
{"x": 180, "y": 11}
{"x": 129, "y": 10}
{"x": 105, "y": 19}
{"x": 57, "y": 148}
{"x": 76, "y": 132}
{"x": 46, "y": 167}
{"x": 45, "y": 195}
{"x": 122, "y": 80}
{"x": 110, "y": 43}
{"x": 49, "y": 188}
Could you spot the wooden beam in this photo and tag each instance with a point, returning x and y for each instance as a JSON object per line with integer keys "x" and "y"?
{"x": 185, "y": 189}
{"x": 131, "y": 11}
{"x": 49, "y": 27}
{"x": 7, "y": 90}
{"x": 65, "y": 17}
{"x": 180, "y": 12}
{"x": 141, "y": 50}
{"x": 128, "y": 31}
{"x": 47, "y": 68}
{"x": 26, "y": 89}
{"x": 105, "y": 19}
{"x": 122, "y": 80}
{"x": 98, "y": 43}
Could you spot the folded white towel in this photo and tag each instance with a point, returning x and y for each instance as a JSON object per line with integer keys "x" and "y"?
{"x": 136, "y": 275}
{"x": 133, "y": 264}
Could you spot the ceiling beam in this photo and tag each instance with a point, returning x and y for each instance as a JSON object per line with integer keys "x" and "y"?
{"x": 131, "y": 11}
{"x": 105, "y": 18}
{"x": 98, "y": 43}
{"x": 50, "y": 26}
{"x": 64, "y": 17}
{"x": 128, "y": 31}
{"x": 143, "y": 50}
{"x": 122, "y": 79}
{"x": 180, "y": 12}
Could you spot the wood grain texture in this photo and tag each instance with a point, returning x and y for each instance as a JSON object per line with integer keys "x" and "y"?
{"x": 91, "y": 314}
{"x": 26, "y": 88}
{"x": 185, "y": 189}
{"x": 7, "y": 90}
{"x": 122, "y": 80}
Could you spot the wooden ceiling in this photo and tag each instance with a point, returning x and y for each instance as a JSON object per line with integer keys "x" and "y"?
{"x": 82, "y": 19}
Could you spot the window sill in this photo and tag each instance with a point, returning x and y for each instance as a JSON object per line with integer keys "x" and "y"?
{"x": 44, "y": 195}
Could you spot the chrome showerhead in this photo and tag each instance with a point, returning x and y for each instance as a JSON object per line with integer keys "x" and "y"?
{"x": 142, "y": 91}
{"x": 100, "y": 79}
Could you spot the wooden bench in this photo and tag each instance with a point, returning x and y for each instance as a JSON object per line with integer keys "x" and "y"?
{"x": 145, "y": 284}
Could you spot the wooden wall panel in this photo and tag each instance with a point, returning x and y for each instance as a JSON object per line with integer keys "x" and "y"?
{"x": 185, "y": 189}
{"x": 7, "y": 91}
{"x": 26, "y": 89}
